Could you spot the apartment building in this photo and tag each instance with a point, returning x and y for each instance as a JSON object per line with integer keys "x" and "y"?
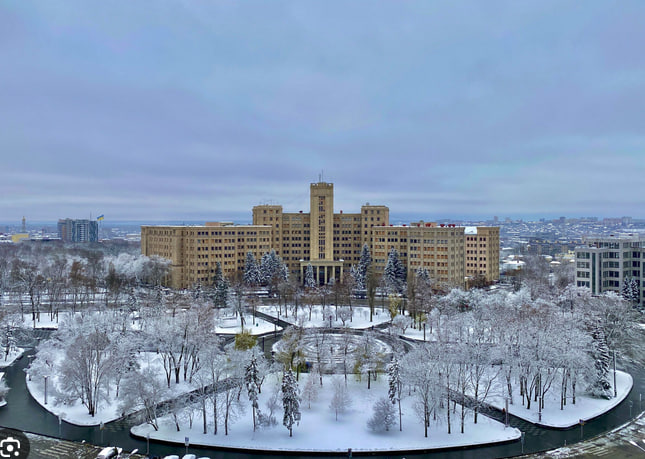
{"x": 72, "y": 230}
{"x": 331, "y": 241}
{"x": 603, "y": 263}
{"x": 482, "y": 252}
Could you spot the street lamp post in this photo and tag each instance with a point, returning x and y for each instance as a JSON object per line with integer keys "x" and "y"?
{"x": 615, "y": 390}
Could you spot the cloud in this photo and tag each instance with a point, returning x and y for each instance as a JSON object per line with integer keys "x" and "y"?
{"x": 193, "y": 109}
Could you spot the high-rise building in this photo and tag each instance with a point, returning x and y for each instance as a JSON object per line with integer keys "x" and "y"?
{"x": 604, "y": 263}
{"x": 71, "y": 230}
{"x": 329, "y": 241}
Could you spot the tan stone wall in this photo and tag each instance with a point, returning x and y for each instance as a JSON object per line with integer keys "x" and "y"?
{"x": 195, "y": 250}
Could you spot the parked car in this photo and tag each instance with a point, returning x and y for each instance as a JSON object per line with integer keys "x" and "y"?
{"x": 110, "y": 452}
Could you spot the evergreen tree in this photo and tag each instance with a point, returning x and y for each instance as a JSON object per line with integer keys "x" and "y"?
{"x": 625, "y": 291}
{"x": 394, "y": 273}
{"x": 310, "y": 282}
{"x": 422, "y": 275}
{"x": 272, "y": 270}
{"x": 630, "y": 290}
{"x": 290, "y": 401}
{"x": 360, "y": 273}
{"x": 395, "y": 386}
{"x": 634, "y": 286}
{"x": 221, "y": 288}
{"x": 251, "y": 272}
{"x": 251, "y": 379}
{"x": 600, "y": 385}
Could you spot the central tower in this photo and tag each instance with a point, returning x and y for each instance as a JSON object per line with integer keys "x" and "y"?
{"x": 321, "y": 231}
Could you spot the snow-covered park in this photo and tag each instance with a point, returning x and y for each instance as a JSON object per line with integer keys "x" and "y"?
{"x": 316, "y": 315}
{"x": 585, "y": 408}
{"x": 320, "y": 430}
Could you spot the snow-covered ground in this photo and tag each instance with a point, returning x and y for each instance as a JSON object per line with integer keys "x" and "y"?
{"x": 108, "y": 410}
{"x": 586, "y": 407}
{"x": 319, "y": 431}
{"x": 233, "y": 325}
{"x": 44, "y": 320}
{"x": 320, "y": 316}
{"x": 14, "y": 354}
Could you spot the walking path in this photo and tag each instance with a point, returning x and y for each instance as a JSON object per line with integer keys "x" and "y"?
{"x": 614, "y": 444}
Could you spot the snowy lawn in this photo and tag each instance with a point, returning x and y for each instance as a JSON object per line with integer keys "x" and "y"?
{"x": 586, "y": 407}
{"x": 318, "y": 429}
{"x": 108, "y": 410}
{"x": 232, "y": 325}
{"x": 320, "y": 316}
{"x": 8, "y": 359}
{"x": 44, "y": 320}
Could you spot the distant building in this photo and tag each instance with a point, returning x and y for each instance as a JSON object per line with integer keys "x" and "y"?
{"x": 330, "y": 241}
{"x": 70, "y": 230}
{"x": 604, "y": 263}
{"x": 15, "y": 238}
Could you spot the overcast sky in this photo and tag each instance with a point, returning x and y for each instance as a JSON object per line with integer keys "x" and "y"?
{"x": 199, "y": 110}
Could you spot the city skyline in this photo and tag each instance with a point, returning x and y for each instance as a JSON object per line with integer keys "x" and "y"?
{"x": 190, "y": 112}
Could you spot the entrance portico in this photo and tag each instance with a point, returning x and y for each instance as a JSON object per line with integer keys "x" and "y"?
{"x": 324, "y": 270}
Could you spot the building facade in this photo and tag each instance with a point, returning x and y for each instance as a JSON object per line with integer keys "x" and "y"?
{"x": 328, "y": 240}
{"x": 71, "y": 230}
{"x": 604, "y": 263}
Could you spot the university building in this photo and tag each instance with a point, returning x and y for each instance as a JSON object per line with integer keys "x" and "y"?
{"x": 330, "y": 241}
{"x": 604, "y": 263}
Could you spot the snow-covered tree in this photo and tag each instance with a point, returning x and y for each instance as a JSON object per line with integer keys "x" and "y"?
{"x": 360, "y": 272}
{"x": 272, "y": 270}
{"x": 310, "y": 282}
{"x": 251, "y": 379}
{"x": 341, "y": 400}
{"x": 310, "y": 390}
{"x": 290, "y": 401}
{"x": 401, "y": 323}
{"x": 600, "y": 385}
{"x": 220, "y": 287}
{"x": 251, "y": 271}
{"x": 394, "y": 273}
{"x": 85, "y": 370}
{"x": 142, "y": 390}
{"x": 630, "y": 290}
{"x": 322, "y": 352}
{"x": 290, "y": 354}
{"x": 420, "y": 370}
{"x": 211, "y": 374}
{"x": 395, "y": 387}
{"x": 384, "y": 416}
{"x": 4, "y": 389}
